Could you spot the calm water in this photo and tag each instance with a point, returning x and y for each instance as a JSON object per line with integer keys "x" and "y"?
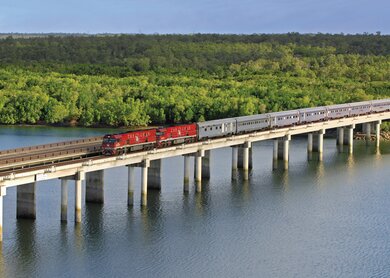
{"x": 318, "y": 220}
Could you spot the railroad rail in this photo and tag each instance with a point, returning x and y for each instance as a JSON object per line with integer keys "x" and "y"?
{"x": 28, "y": 157}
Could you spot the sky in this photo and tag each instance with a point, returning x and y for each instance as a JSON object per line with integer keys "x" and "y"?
{"x": 194, "y": 16}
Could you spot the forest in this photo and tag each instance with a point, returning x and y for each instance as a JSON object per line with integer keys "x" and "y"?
{"x": 140, "y": 80}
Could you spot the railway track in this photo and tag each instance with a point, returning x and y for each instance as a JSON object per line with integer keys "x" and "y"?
{"x": 27, "y": 157}
{"x": 39, "y": 166}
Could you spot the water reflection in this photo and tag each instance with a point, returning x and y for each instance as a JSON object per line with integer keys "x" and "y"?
{"x": 240, "y": 190}
{"x": 152, "y": 224}
{"x": 25, "y": 247}
{"x": 202, "y": 199}
{"x": 280, "y": 179}
{"x": 93, "y": 226}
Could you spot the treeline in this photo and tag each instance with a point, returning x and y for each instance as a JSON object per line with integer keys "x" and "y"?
{"x": 136, "y": 80}
{"x": 127, "y": 54}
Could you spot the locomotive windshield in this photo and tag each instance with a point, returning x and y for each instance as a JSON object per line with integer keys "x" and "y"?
{"x": 109, "y": 140}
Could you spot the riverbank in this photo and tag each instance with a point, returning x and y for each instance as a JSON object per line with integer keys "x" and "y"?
{"x": 384, "y": 136}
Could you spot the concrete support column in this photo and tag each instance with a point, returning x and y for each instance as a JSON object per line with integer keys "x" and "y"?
{"x": 377, "y": 133}
{"x": 186, "y": 173}
{"x": 198, "y": 169}
{"x": 340, "y": 136}
{"x": 154, "y": 175}
{"x": 320, "y": 146}
{"x": 94, "y": 187}
{"x": 309, "y": 146}
{"x": 286, "y": 145}
{"x": 245, "y": 160}
{"x": 2, "y": 194}
{"x": 64, "y": 200}
{"x": 367, "y": 128}
{"x": 240, "y": 161}
{"x": 25, "y": 207}
{"x": 206, "y": 161}
{"x": 281, "y": 150}
{"x": 144, "y": 182}
{"x": 275, "y": 154}
{"x": 234, "y": 158}
{"x": 77, "y": 201}
{"x": 350, "y": 138}
{"x": 130, "y": 185}
{"x": 319, "y": 143}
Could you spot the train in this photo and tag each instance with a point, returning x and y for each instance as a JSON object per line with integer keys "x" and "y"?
{"x": 137, "y": 140}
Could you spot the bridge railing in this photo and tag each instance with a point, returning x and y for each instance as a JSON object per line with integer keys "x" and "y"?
{"x": 97, "y": 139}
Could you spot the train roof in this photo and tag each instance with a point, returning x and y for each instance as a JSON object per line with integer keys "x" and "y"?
{"x": 283, "y": 113}
{"x": 218, "y": 121}
{"x": 312, "y": 109}
{"x": 381, "y": 100}
{"x": 252, "y": 117}
{"x": 360, "y": 103}
{"x": 336, "y": 106}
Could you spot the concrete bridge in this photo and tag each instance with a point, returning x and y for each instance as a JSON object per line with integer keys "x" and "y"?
{"x": 90, "y": 165}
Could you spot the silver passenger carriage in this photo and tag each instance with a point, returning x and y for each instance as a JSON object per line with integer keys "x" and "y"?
{"x": 380, "y": 105}
{"x": 338, "y": 111}
{"x": 216, "y": 128}
{"x": 315, "y": 114}
{"x": 360, "y": 108}
{"x": 253, "y": 123}
{"x": 284, "y": 118}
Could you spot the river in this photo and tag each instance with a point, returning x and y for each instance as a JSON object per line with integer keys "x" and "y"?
{"x": 329, "y": 219}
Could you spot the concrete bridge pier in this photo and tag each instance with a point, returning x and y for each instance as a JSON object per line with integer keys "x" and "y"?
{"x": 198, "y": 169}
{"x": 246, "y": 159}
{"x": 25, "y": 199}
{"x": 282, "y": 152}
{"x": 286, "y": 146}
{"x": 350, "y": 138}
{"x": 234, "y": 161}
{"x": 64, "y": 200}
{"x": 318, "y": 143}
{"x": 144, "y": 181}
{"x": 154, "y": 175}
{"x": 310, "y": 146}
{"x": 206, "y": 162}
{"x": 205, "y": 165}
{"x": 377, "y": 133}
{"x": 80, "y": 176}
{"x": 275, "y": 155}
{"x": 2, "y": 194}
{"x": 340, "y": 136}
{"x": 367, "y": 131}
{"x": 130, "y": 185}
{"x": 94, "y": 187}
{"x": 240, "y": 161}
{"x": 340, "y": 139}
{"x": 187, "y": 172}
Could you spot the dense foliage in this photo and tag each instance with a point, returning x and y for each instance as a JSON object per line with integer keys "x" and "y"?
{"x": 129, "y": 80}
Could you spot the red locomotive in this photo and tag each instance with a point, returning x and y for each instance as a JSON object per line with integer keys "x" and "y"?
{"x": 176, "y": 135}
{"x": 114, "y": 144}
{"x": 128, "y": 141}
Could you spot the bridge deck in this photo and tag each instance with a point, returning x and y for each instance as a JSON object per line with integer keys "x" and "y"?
{"x": 69, "y": 168}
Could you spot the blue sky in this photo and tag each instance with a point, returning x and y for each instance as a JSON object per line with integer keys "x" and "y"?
{"x": 190, "y": 16}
